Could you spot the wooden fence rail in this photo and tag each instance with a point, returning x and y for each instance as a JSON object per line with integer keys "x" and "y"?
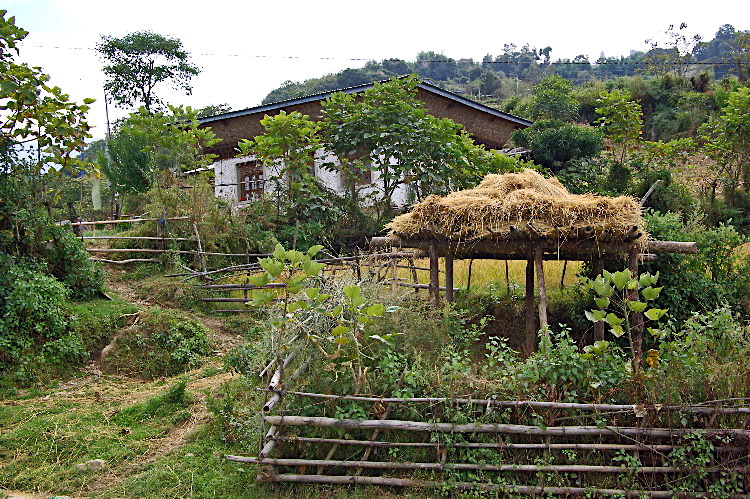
{"x": 512, "y": 455}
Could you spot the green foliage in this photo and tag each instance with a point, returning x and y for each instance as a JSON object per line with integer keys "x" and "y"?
{"x": 34, "y": 329}
{"x": 162, "y": 343}
{"x": 148, "y": 146}
{"x": 69, "y": 262}
{"x": 552, "y": 99}
{"x": 621, "y": 118}
{"x": 388, "y": 131}
{"x": 553, "y": 143}
{"x": 138, "y": 62}
{"x": 620, "y": 294}
{"x": 167, "y": 405}
{"x": 96, "y": 322}
{"x": 34, "y": 111}
{"x": 702, "y": 282}
{"x": 726, "y": 140}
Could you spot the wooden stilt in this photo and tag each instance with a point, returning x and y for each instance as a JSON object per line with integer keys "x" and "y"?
{"x": 598, "y": 267}
{"x": 434, "y": 276}
{"x": 539, "y": 263}
{"x": 468, "y": 279}
{"x": 562, "y": 277}
{"x": 637, "y": 317}
{"x": 530, "y": 343}
{"x": 507, "y": 278}
{"x": 449, "y": 277}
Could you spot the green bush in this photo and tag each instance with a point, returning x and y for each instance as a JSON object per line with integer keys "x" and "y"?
{"x": 34, "y": 329}
{"x": 554, "y": 143}
{"x": 162, "y": 343}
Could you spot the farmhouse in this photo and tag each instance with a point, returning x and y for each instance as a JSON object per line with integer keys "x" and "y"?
{"x": 243, "y": 179}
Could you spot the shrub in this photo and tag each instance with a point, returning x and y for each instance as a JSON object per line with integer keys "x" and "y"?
{"x": 33, "y": 322}
{"x": 162, "y": 343}
{"x": 553, "y": 143}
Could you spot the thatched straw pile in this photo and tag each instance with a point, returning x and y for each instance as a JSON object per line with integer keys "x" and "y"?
{"x": 500, "y": 202}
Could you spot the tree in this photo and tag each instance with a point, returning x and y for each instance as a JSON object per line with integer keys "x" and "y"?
{"x": 726, "y": 140}
{"x": 33, "y": 112}
{"x": 389, "y": 133}
{"x": 554, "y": 143}
{"x": 138, "y": 62}
{"x": 674, "y": 56}
{"x": 553, "y": 100}
{"x": 621, "y": 118}
{"x": 149, "y": 145}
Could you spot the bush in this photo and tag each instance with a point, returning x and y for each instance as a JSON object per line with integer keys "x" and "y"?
{"x": 162, "y": 343}
{"x": 33, "y": 322}
{"x": 554, "y": 143}
{"x": 706, "y": 281}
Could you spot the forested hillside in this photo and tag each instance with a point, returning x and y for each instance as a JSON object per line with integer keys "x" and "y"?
{"x": 505, "y": 80}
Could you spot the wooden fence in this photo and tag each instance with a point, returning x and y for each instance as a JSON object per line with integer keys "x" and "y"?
{"x": 506, "y": 446}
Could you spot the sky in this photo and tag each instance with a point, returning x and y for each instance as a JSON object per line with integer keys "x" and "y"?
{"x": 247, "y": 48}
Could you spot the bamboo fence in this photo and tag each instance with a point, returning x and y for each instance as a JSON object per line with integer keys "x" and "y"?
{"x": 496, "y": 445}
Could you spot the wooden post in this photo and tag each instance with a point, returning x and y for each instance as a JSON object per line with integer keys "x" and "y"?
{"x": 394, "y": 271}
{"x": 201, "y": 256}
{"x": 74, "y": 218}
{"x": 562, "y": 277}
{"x": 598, "y": 267}
{"x": 414, "y": 276}
{"x": 637, "y": 317}
{"x": 539, "y": 263}
{"x": 160, "y": 233}
{"x": 530, "y": 343}
{"x": 434, "y": 276}
{"x": 468, "y": 279}
{"x": 507, "y": 278}
{"x": 449, "y": 276}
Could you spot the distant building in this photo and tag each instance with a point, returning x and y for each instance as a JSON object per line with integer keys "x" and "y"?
{"x": 243, "y": 179}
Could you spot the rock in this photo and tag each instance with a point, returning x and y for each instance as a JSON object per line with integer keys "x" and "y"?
{"x": 92, "y": 465}
{"x": 189, "y": 454}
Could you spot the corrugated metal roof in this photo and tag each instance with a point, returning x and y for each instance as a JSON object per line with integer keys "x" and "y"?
{"x": 429, "y": 87}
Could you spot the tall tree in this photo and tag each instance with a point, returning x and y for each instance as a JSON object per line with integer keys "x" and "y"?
{"x": 138, "y": 62}
{"x": 553, "y": 99}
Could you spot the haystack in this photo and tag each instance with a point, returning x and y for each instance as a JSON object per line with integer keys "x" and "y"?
{"x": 502, "y": 207}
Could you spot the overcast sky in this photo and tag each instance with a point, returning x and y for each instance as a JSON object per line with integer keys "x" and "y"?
{"x": 246, "y": 49}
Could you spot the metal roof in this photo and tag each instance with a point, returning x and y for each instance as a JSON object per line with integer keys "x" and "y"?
{"x": 361, "y": 88}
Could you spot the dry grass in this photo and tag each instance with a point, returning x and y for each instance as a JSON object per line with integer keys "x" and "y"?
{"x": 486, "y": 272}
{"x": 515, "y": 199}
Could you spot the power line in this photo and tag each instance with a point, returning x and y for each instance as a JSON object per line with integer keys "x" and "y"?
{"x": 434, "y": 61}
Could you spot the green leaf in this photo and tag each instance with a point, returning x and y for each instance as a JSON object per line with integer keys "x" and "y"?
{"x": 295, "y": 256}
{"x": 621, "y": 279}
{"x": 654, "y": 331}
{"x": 392, "y": 308}
{"x": 314, "y": 250}
{"x": 259, "y": 280}
{"x": 595, "y": 315}
{"x": 260, "y": 298}
{"x": 278, "y": 252}
{"x": 312, "y": 293}
{"x": 376, "y": 310}
{"x": 650, "y": 293}
{"x": 617, "y": 331}
{"x": 636, "y": 306}
{"x": 352, "y": 291}
{"x": 358, "y": 301}
{"x": 296, "y": 305}
{"x": 273, "y": 267}
{"x": 322, "y": 297}
{"x": 339, "y": 330}
{"x": 312, "y": 268}
{"x": 655, "y": 314}
{"x": 602, "y": 287}
{"x": 646, "y": 280}
{"x": 341, "y": 340}
{"x": 602, "y": 302}
{"x": 613, "y": 320}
